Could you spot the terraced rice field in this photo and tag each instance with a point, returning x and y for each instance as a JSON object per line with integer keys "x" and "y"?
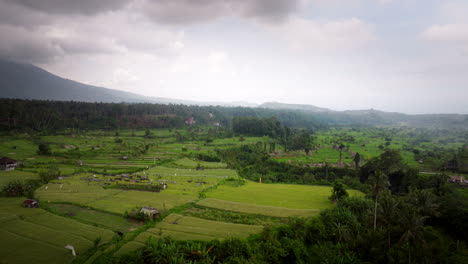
{"x": 111, "y": 200}
{"x": 15, "y": 175}
{"x": 278, "y": 195}
{"x": 36, "y": 236}
{"x": 256, "y": 209}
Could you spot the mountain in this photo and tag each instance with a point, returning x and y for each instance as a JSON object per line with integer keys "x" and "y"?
{"x": 374, "y": 117}
{"x": 26, "y": 81}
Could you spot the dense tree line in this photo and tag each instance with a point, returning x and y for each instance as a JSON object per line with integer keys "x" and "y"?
{"x": 35, "y": 115}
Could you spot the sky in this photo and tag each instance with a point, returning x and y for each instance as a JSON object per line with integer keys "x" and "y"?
{"x": 407, "y": 56}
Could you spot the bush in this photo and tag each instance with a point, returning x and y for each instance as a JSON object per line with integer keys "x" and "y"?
{"x": 20, "y": 188}
{"x": 50, "y": 173}
{"x": 44, "y": 149}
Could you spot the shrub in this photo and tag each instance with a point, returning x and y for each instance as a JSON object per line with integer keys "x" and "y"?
{"x": 50, "y": 173}
{"x": 44, "y": 149}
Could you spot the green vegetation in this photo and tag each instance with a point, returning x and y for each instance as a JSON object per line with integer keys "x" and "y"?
{"x": 261, "y": 192}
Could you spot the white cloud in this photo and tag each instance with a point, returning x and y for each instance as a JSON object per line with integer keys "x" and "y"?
{"x": 450, "y": 35}
{"x": 329, "y": 37}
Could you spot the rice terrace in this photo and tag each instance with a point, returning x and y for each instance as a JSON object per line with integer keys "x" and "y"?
{"x": 108, "y": 176}
{"x": 108, "y": 192}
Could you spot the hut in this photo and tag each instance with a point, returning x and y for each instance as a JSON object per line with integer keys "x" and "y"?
{"x": 30, "y": 203}
{"x": 8, "y": 164}
{"x": 150, "y": 212}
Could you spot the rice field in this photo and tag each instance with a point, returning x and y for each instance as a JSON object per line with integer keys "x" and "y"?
{"x": 256, "y": 209}
{"x": 291, "y": 196}
{"x": 181, "y": 227}
{"x": 36, "y": 236}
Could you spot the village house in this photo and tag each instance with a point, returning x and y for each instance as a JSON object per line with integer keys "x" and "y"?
{"x": 458, "y": 180}
{"x": 190, "y": 121}
{"x": 8, "y": 164}
{"x": 150, "y": 212}
{"x": 30, "y": 203}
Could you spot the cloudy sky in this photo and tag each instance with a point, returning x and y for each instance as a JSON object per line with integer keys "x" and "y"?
{"x": 395, "y": 55}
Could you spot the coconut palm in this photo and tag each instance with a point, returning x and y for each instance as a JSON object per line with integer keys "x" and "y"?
{"x": 413, "y": 229}
{"x": 379, "y": 183}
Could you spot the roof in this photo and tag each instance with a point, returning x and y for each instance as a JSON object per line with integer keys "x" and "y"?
{"x": 6, "y": 160}
{"x": 457, "y": 178}
{"x": 29, "y": 201}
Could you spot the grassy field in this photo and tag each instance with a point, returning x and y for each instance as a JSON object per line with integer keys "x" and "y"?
{"x": 291, "y": 196}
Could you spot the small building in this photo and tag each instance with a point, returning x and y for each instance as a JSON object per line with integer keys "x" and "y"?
{"x": 150, "y": 212}
{"x": 8, "y": 164}
{"x": 190, "y": 121}
{"x": 30, "y": 203}
{"x": 458, "y": 180}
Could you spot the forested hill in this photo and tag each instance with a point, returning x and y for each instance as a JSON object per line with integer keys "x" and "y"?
{"x": 374, "y": 117}
{"x": 26, "y": 81}
{"x": 18, "y": 114}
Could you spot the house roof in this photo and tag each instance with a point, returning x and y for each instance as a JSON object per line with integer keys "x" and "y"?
{"x": 457, "y": 178}
{"x": 29, "y": 201}
{"x": 6, "y": 160}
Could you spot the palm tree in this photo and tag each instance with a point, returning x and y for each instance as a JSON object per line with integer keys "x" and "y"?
{"x": 412, "y": 224}
{"x": 425, "y": 201}
{"x": 379, "y": 182}
{"x": 388, "y": 211}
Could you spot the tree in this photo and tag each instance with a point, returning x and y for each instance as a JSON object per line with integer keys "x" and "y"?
{"x": 339, "y": 192}
{"x": 379, "y": 183}
{"x": 51, "y": 173}
{"x": 44, "y": 149}
{"x": 357, "y": 160}
{"x": 412, "y": 225}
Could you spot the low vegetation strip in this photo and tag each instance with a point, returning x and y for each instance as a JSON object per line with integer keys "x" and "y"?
{"x": 256, "y": 209}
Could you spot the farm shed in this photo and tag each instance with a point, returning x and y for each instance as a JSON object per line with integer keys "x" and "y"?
{"x": 30, "y": 203}
{"x": 8, "y": 164}
{"x": 458, "y": 179}
{"x": 150, "y": 212}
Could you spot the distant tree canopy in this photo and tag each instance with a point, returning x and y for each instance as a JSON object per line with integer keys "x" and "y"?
{"x": 35, "y": 115}
{"x": 253, "y": 126}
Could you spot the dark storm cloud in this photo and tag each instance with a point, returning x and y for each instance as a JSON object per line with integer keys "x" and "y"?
{"x": 14, "y": 14}
{"x": 21, "y": 45}
{"x": 86, "y": 7}
{"x": 189, "y": 11}
{"x": 37, "y": 31}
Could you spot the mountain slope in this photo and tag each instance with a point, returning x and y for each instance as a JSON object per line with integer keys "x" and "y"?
{"x": 26, "y": 81}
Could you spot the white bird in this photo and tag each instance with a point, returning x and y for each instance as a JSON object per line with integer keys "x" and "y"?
{"x": 72, "y": 249}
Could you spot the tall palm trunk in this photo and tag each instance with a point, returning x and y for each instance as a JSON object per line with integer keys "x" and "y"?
{"x": 375, "y": 213}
